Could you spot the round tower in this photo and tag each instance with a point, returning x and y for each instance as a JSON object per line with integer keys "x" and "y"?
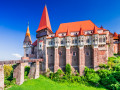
{"x": 27, "y": 43}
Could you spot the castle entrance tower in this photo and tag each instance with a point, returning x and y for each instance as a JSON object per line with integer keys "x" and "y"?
{"x": 43, "y": 31}
{"x": 27, "y": 43}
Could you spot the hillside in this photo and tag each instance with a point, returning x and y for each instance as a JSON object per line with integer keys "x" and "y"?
{"x": 44, "y": 83}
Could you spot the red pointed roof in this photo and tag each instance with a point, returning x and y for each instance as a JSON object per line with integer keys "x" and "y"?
{"x": 81, "y": 31}
{"x": 56, "y": 34}
{"x": 68, "y": 32}
{"x": 44, "y": 22}
{"x": 115, "y": 34}
{"x": 95, "y": 30}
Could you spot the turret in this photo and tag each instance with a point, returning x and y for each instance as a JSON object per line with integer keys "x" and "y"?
{"x": 56, "y": 40}
{"x": 27, "y": 43}
{"x": 68, "y": 39}
{"x": 95, "y": 37}
{"x": 81, "y": 38}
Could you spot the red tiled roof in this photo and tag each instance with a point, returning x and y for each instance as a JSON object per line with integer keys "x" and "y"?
{"x": 35, "y": 43}
{"x": 44, "y": 22}
{"x": 75, "y": 26}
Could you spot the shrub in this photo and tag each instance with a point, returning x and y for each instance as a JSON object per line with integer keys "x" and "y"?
{"x": 116, "y": 68}
{"x": 27, "y": 69}
{"x": 56, "y": 76}
{"x": 108, "y": 80}
{"x": 116, "y": 75}
{"x": 7, "y": 70}
{"x": 104, "y": 66}
{"x": 93, "y": 78}
{"x": 68, "y": 69}
{"x": 88, "y": 70}
{"x": 6, "y": 82}
{"x": 103, "y": 73}
{"x": 60, "y": 72}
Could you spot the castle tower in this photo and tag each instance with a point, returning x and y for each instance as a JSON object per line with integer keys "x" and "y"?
{"x": 27, "y": 43}
{"x": 43, "y": 31}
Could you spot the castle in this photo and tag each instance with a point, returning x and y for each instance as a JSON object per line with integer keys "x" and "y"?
{"x": 79, "y": 44}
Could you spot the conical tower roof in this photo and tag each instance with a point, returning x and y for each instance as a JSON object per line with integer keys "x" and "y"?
{"x": 68, "y": 32}
{"x": 27, "y": 35}
{"x": 56, "y": 34}
{"x": 81, "y": 31}
{"x": 95, "y": 30}
{"x": 44, "y": 22}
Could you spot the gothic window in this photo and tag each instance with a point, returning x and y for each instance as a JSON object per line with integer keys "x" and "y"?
{"x": 103, "y": 39}
{"x": 51, "y": 42}
{"x": 75, "y": 40}
{"x": 60, "y": 53}
{"x": 100, "y": 39}
{"x": 62, "y": 42}
{"x": 74, "y": 53}
{"x": 88, "y": 40}
{"x": 72, "y": 41}
{"x": 26, "y": 55}
{"x": 87, "y": 53}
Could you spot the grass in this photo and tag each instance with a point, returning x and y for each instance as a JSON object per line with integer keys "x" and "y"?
{"x": 44, "y": 83}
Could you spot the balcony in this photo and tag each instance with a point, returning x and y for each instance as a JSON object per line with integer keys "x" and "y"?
{"x": 38, "y": 35}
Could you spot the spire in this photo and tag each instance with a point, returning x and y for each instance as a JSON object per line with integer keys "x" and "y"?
{"x": 27, "y": 35}
{"x": 95, "y": 30}
{"x": 28, "y": 31}
{"x": 81, "y": 31}
{"x": 68, "y": 33}
{"x": 44, "y": 22}
{"x": 56, "y": 33}
{"x": 115, "y": 34}
{"x": 101, "y": 27}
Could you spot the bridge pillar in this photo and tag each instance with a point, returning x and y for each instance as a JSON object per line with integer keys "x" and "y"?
{"x": 1, "y": 77}
{"x": 34, "y": 70}
{"x": 19, "y": 73}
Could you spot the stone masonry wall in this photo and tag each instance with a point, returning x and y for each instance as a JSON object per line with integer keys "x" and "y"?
{"x": 50, "y": 55}
{"x": 62, "y": 57}
{"x": 88, "y": 51}
{"x": 74, "y": 58}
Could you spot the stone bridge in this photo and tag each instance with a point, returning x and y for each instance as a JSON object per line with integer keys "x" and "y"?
{"x": 18, "y": 72}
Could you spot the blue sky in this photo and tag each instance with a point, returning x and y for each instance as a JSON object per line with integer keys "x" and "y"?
{"x": 15, "y": 14}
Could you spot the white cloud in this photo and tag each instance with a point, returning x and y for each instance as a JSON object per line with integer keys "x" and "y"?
{"x": 17, "y": 55}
